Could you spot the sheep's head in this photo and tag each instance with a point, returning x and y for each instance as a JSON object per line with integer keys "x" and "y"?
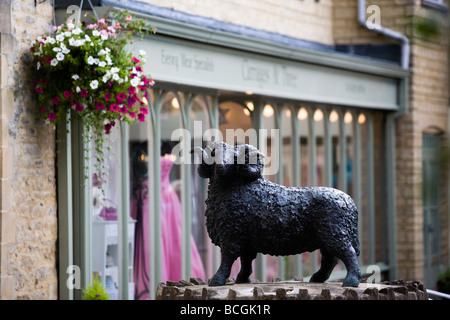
{"x": 226, "y": 162}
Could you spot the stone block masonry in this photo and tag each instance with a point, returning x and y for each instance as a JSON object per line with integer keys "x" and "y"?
{"x": 28, "y": 219}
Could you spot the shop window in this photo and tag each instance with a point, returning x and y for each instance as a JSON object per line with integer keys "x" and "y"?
{"x": 145, "y": 218}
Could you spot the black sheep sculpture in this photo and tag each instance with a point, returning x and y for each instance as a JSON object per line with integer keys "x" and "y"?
{"x": 247, "y": 214}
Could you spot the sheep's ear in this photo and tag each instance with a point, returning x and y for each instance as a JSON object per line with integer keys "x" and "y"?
{"x": 253, "y": 167}
{"x": 204, "y": 171}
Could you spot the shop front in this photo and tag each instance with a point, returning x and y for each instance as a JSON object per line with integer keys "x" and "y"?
{"x": 321, "y": 117}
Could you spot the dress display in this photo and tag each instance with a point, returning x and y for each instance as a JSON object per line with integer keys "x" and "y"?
{"x": 170, "y": 231}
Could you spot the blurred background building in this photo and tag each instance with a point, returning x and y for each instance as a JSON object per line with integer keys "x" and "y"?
{"x": 359, "y": 93}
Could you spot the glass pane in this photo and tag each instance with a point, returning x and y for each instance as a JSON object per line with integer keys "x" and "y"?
{"x": 200, "y": 244}
{"x": 106, "y": 210}
{"x": 334, "y": 129}
{"x": 139, "y": 207}
{"x": 320, "y": 148}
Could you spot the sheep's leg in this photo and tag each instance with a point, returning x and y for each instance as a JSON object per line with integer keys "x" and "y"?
{"x": 246, "y": 268}
{"x": 350, "y": 260}
{"x": 222, "y": 274}
{"x": 327, "y": 265}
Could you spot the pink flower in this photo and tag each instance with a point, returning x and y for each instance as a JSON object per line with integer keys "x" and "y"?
{"x": 84, "y": 93}
{"x": 132, "y": 115}
{"x": 79, "y": 107}
{"x": 52, "y": 116}
{"x": 117, "y": 26}
{"x": 43, "y": 82}
{"x": 129, "y": 18}
{"x": 42, "y": 110}
{"x": 91, "y": 26}
{"x": 131, "y": 90}
{"x": 67, "y": 94}
{"x": 123, "y": 109}
{"x": 114, "y": 107}
{"x": 120, "y": 97}
{"x": 141, "y": 117}
{"x": 144, "y": 110}
{"x": 136, "y": 60}
{"x": 38, "y": 90}
{"x": 107, "y": 96}
{"x": 139, "y": 69}
{"x": 55, "y": 101}
{"x": 101, "y": 20}
{"x": 48, "y": 59}
{"x": 108, "y": 127}
{"x": 99, "y": 105}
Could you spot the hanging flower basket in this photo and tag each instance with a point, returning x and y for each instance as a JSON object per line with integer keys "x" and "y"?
{"x": 84, "y": 69}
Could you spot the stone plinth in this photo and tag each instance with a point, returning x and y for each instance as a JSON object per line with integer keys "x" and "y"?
{"x": 291, "y": 290}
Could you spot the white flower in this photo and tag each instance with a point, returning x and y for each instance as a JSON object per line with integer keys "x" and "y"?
{"x": 75, "y": 77}
{"x": 142, "y": 53}
{"x": 94, "y": 84}
{"x": 70, "y": 25}
{"x": 60, "y": 37}
{"x": 104, "y": 37}
{"x": 54, "y": 62}
{"x": 102, "y": 52}
{"x": 95, "y": 33}
{"x": 120, "y": 80}
{"x": 91, "y": 60}
{"x": 72, "y": 42}
{"x": 51, "y": 40}
{"x": 77, "y": 89}
{"x": 115, "y": 69}
{"x": 56, "y": 49}
{"x": 67, "y": 33}
{"x": 65, "y": 51}
{"x": 106, "y": 77}
{"x": 135, "y": 81}
{"x": 102, "y": 64}
{"x": 88, "y": 39}
{"x": 38, "y": 66}
{"x": 60, "y": 56}
{"x": 77, "y": 31}
{"x": 108, "y": 59}
{"x": 115, "y": 77}
{"x": 108, "y": 50}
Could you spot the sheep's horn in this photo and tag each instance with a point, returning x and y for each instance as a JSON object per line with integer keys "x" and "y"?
{"x": 198, "y": 149}
{"x": 256, "y": 153}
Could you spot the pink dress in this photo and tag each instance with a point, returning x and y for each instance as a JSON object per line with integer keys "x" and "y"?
{"x": 171, "y": 236}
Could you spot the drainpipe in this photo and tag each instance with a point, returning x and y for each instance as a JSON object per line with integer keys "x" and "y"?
{"x": 390, "y": 136}
{"x": 387, "y": 32}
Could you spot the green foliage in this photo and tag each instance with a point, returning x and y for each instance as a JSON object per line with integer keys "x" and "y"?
{"x": 85, "y": 70}
{"x": 443, "y": 282}
{"x": 424, "y": 28}
{"x": 95, "y": 291}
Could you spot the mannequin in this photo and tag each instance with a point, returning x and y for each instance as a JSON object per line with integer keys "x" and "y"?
{"x": 170, "y": 226}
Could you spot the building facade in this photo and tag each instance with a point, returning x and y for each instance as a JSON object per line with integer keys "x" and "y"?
{"x": 331, "y": 99}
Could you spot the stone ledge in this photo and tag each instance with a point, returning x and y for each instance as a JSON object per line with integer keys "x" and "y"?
{"x": 195, "y": 289}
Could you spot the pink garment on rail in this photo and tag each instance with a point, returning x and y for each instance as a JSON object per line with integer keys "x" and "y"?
{"x": 171, "y": 236}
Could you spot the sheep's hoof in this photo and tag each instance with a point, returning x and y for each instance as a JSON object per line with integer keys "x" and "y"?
{"x": 243, "y": 279}
{"x": 217, "y": 281}
{"x": 351, "y": 281}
